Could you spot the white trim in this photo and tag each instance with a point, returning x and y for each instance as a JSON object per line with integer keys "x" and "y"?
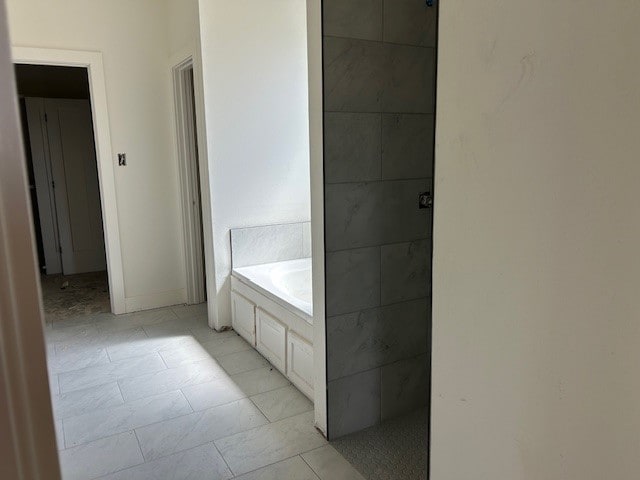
{"x": 205, "y": 189}
{"x": 193, "y": 52}
{"x": 155, "y": 300}
{"x": 187, "y": 156}
{"x": 314, "y": 59}
{"x": 93, "y": 62}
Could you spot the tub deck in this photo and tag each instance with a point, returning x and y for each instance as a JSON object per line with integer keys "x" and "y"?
{"x": 288, "y": 283}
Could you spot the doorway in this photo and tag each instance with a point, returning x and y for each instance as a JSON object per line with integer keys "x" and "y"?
{"x": 58, "y": 136}
{"x": 190, "y": 185}
{"x": 92, "y": 63}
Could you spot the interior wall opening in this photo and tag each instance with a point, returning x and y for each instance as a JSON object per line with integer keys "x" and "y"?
{"x": 58, "y": 136}
{"x": 190, "y": 181}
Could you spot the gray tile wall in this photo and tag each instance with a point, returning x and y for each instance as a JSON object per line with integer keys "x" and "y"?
{"x": 379, "y": 90}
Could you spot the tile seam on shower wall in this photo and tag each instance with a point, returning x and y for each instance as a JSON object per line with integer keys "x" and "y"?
{"x": 384, "y": 180}
{"x": 382, "y": 21}
{"x": 366, "y": 370}
{"x": 376, "y": 112}
{"x": 432, "y": 47}
{"x": 408, "y": 300}
{"x": 389, "y": 244}
{"x": 364, "y": 340}
{"x": 375, "y": 57}
{"x": 378, "y": 367}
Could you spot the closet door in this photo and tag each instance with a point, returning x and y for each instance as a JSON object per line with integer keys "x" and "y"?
{"x": 39, "y": 142}
{"x": 77, "y": 192}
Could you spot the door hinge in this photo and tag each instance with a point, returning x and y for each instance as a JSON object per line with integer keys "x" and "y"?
{"x": 60, "y": 249}
{"x": 53, "y": 184}
{"x": 46, "y": 118}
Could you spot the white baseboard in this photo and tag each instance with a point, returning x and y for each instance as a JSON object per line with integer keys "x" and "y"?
{"x": 156, "y": 300}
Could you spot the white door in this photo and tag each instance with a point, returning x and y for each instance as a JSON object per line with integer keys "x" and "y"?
{"x": 76, "y": 188}
{"x": 39, "y": 142}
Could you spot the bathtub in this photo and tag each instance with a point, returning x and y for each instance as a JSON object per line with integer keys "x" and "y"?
{"x": 271, "y": 308}
{"x": 287, "y": 283}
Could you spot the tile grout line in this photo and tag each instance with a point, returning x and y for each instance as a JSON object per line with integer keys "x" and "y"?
{"x": 264, "y": 414}
{"x": 191, "y": 413}
{"x": 120, "y": 406}
{"x": 376, "y": 307}
{"x": 381, "y": 42}
{"x": 120, "y": 390}
{"x": 412, "y": 357}
{"x": 262, "y": 426}
{"x": 307, "y": 463}
{"x": 378, "y": 112}
{"x": 276, "y": 462}
{"x": 380, "y": 180}
{"x": 108, "y": 355}
{"x": 380, "y": 278}
{"x": 382, "y": 23}
{"x": 124, "y": 468}
{"x": 193, "y": 410}
{"x": 193, "y": 446}
{"x": 213, "y": 442}
{"x": 144, "y": 459}
{"x": 166, "y": 367}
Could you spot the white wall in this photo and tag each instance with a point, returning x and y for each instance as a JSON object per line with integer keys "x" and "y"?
{"x": 536, "y": 359}
{"x": 256, "y": 110}
{"x": 183, "y": 25}
{"x": 133, "y": 38}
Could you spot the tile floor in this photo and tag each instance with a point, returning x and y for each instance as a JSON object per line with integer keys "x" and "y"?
{"x": 159, "y": 395}
{"x": 393, "y": 449}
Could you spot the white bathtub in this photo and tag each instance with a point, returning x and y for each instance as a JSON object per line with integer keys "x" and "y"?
{"x": 287, "y": 283}
{"x": 271, "y": 308}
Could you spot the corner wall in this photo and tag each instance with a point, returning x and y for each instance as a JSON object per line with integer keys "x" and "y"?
{"x": 254, "y": 72}
{"x": 536, "y": 332}
{"x": 379, "y": 63}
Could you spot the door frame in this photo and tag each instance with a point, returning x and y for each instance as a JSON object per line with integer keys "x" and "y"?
{"x": 192, "y": 54}
{"x": 190, "y": 179}
{"x": 92, "y": 61}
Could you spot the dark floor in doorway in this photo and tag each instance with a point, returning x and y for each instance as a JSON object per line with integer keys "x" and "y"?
{"x": 72, "y": 295}
{"x": 392, "y": 450}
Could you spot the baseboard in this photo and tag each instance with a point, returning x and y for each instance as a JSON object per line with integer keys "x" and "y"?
{"x": 155, "y": 300}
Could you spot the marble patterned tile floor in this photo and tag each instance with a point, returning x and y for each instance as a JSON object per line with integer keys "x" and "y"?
{"x": 159, "y": 395}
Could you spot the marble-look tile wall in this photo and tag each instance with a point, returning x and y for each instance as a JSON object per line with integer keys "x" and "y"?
{"x": 270, "y": 243}
{"x": 379, "y": 90}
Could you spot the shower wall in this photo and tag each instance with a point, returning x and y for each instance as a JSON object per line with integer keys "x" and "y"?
{"x": 379, "y": 82}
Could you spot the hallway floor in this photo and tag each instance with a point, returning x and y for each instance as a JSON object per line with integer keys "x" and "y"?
{"x": 66, "y": 296}
{"x": 159, "y": 395}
